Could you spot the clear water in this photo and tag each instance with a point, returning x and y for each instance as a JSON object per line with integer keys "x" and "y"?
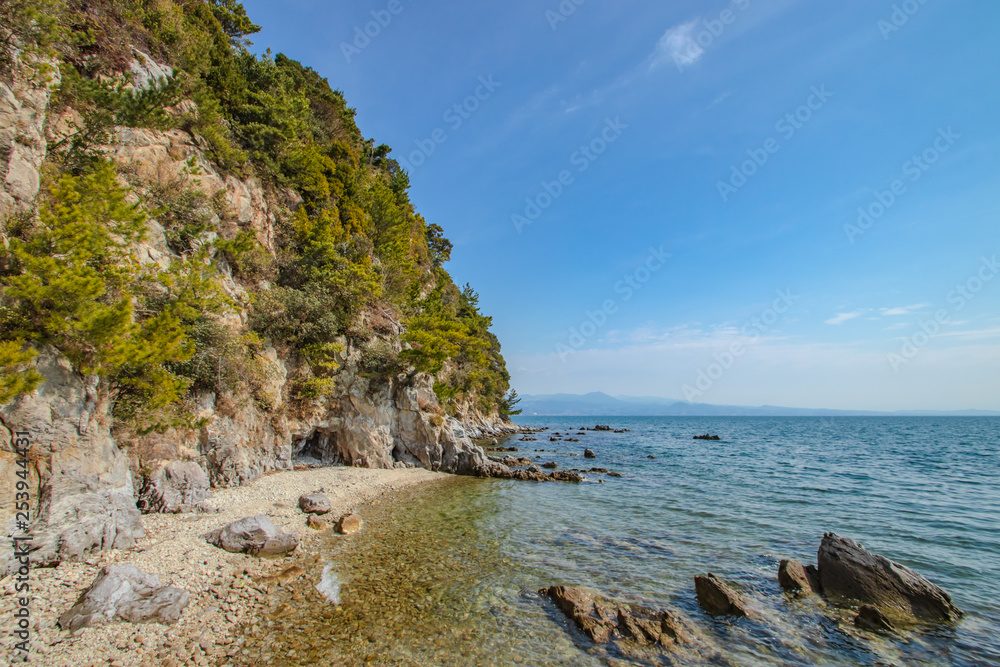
{"x": 448, "y": 575}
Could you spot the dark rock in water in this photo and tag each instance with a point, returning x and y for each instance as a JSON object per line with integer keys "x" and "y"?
{"x": 848, "y": 570}
{"x": 564, "y": 476}
{"x": 870, "y": 618}
{"x": 554, "y": 439}
{"x": 622, "y": 430}
{"x": 718, "y": 598}
{"x": 650, "y": 457}
{"x": 603, "y": 620}
{"x": 254, "y": 535}
{"x": 589, "y": 454}
{"x": 125, "y": 593}
{"x": 175, "y": 487}
{"x": 602, "y": 471}
{"x": 552, "y": 465}
{"x": 614, "y": 474}
{"x": 707, "y": 437}
{"x": 795, "y": 577}
{"x": 314, "y": 503}
{"x": 602, "y": 427}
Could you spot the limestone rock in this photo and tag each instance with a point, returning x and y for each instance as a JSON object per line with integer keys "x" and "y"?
{"x": 795, "y": 577}
{"x": 718, "y": 598}
{"x": 349, "y": 524}
{"x": 126, "y": 593}
{"x": 174, "y": 487}
{"x": 314, "y": 503}
{"x": 848, "y": 570}
{"x": 254, "y": 535}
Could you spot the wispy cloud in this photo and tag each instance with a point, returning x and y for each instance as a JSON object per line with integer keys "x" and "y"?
{"x": 905, "y": 310}
{"x": 840, "y": 318}
{"x": 678, "y": 46}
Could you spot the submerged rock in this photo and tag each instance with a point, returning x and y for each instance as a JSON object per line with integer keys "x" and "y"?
{"x": 314, "y": 503}
{"x": 254, "y": 535}
{"x": 797, "y": 578}
{"x": 126, "y": 593}
{"x": 349, "y": 524}
{"x": 603, "y": 620}
{"x": 870, "y": 618}
{"x": 848, "y": 570}
{"x": 718, "y": 598}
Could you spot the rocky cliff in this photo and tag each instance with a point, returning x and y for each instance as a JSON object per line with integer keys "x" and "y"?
{"x": 86, "y": 469}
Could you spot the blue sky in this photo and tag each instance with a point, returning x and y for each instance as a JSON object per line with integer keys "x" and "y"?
{"x": 741, "y": 139}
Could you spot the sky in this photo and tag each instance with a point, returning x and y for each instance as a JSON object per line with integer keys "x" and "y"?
{"x": 758, "y": 202}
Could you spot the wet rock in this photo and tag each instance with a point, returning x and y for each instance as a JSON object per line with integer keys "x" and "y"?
{"x": 552, "y": 465}
{"x": 718, "y": 598}
{"x": 125, "y": 593}
{"x": 602, "y": 427}
{"x": 870, "y": 618}
{"x": 175, "y": 487}
{"x": 254, "y": 535}
{"x": 707, "y": 437}
{"x": 314, "y": 503}
{"x": 614, "y": 474}
{"x": 316, "y": 523}
{"x": 349, "y": 524}
{"x": 565, "y": 476}
{"x": 795, "y": 577}
{"x": 848, "y": 570}
{"x": 650, "y": 457}
{"x": 589, "y": 454}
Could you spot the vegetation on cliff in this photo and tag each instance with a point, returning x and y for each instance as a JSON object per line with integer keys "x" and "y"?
{"x": 349, "y": 247}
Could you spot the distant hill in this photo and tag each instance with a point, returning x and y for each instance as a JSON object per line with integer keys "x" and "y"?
{"x": 601, "y": 404}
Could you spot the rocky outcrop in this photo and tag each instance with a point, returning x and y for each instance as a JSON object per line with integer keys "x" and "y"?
{"x": 125, "y": 593}
{"x": 80, "y": 483}
{"x": 718, "y": 598}
{"x": 175, "y": 487}
{"x": 797, "y": 578}
{"x": 255, "y": 535}
{"x": 604, "y": 620}
{"x": 847, "y": 570}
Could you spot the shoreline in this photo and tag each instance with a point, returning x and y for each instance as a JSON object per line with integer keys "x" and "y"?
{"x": 228, "y": 591}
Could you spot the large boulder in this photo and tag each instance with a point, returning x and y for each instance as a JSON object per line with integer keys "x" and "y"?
{"x": 175, "y": 487}
{"x": 718, "y": 598}
{"x": 848, "y": 570}
{"x": 125, "y": 593}
{"x": 254, "y": 535}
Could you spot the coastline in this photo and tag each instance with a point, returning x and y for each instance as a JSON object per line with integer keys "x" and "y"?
{"x": 228, "y": 590}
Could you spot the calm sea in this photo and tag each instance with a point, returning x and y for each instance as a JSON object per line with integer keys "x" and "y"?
{"x": 448, "y": 575}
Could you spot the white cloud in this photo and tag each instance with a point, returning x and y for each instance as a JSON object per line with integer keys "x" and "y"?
{"x": 905, "y": 310}
{"x": 677, "y": 45}
{"x": 843, "y": 317}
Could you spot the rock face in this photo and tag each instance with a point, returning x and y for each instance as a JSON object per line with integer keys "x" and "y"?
{"x": 796, "y": 578}
{"x": 254, "y": 535}
{"x": 848, "y": 570}
{"x": 603, "y": 620}
{"x": 718, "y": 598}
{"x": 175, "y": 487}
{"x": 314, "y": 503}
{"x": 126, "y": 593}
{"x": 80, "y": 482}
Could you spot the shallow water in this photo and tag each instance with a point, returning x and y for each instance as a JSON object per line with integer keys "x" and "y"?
{"x": 448, "y": 574}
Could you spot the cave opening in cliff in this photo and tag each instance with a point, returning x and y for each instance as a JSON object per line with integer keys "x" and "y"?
{"x": 318, "y": 448}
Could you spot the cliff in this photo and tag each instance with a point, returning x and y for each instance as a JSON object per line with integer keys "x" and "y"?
{"x": 187, "y": 279}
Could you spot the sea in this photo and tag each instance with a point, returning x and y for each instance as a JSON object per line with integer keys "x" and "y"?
{"x": 450, "y": 573}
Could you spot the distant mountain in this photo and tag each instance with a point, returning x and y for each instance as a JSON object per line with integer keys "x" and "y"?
{"x": 599, "y": 404}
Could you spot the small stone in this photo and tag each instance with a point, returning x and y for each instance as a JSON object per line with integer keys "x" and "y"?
{"x": 316, "y": 523}
{"x": 348, "y": 524}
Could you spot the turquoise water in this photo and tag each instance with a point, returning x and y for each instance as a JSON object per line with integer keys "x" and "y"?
{"x": 449, "y": 576}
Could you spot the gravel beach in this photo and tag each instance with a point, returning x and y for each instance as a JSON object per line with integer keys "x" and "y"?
{"x": 227, "y": 590}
